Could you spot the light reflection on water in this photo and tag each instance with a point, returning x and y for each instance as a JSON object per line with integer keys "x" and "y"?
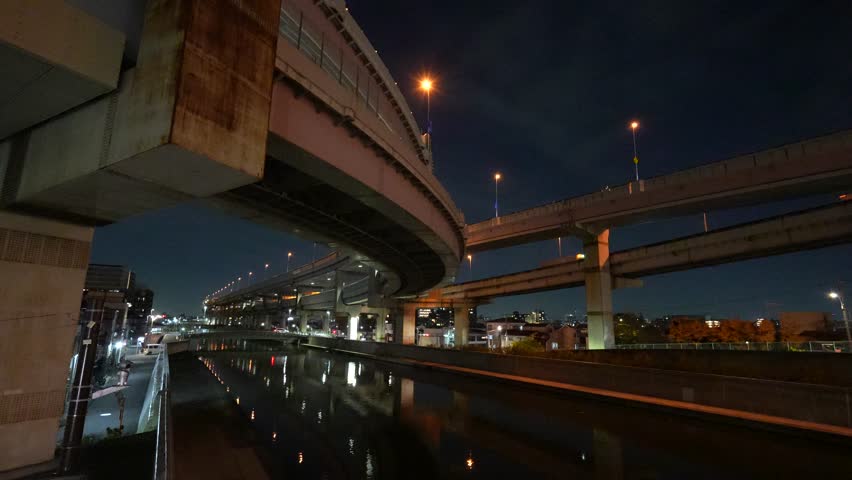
{"x": 331, "y": 416}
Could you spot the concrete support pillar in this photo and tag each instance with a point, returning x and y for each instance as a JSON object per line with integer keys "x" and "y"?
{"x": 326, "y": 322}
{"x": 381, "y": 317}
{"x": 404, "y": 328}
{"x": 303, "y": 322}
{"x": 598, "y": 291}
{"x": 42, "y": 271}
{"x": 462, "y": 324}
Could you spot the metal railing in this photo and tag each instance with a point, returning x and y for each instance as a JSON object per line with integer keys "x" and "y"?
{"x": 156, "y": 414}
{"x": 340, "y": 63}
{"x": 812, "y": 346}
{"x": 347, "y": 58}
{"x": 164, "y": 456}
{"x": 732, "y": 166}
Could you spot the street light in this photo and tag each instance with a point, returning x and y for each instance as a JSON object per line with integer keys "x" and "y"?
{"x": 426, "y": 86}
{"x": 470, "y": 265}
{"x": 633, "y": 126}
{"x": 289, "y": 254}
{"x": 839, "y": 297}
{"x": 496, "y": 179}
{"x": 265, "y": 270}
{"x": 249, "y": 279}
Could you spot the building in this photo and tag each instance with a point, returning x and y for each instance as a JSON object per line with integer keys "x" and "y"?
{"x": 109, "y": 277}
{"x": 141, "y": 305}
{"x": 565, "y": 338}
{"x": 110, "y": 297}
{"x": 536, "y": 316}
{"x": 438, "y": 317}
{"x": 801, "y": 326}
{"x": 497, "y": 331}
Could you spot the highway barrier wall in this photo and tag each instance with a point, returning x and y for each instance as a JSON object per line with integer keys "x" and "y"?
{"x": 803, "y": 402}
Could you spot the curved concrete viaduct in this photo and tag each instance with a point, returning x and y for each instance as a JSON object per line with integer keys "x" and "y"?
{"x": 285, "y": 116}
{"x": 345, "y": 159}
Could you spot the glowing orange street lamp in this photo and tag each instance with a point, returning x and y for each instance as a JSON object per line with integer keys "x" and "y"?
{"x": 470, "y": 265}
{"x": 497, "y": 178}
{"x": 289, "y": 254}
{"x": 426, "y": 86}
{"x": 633, "y": 126}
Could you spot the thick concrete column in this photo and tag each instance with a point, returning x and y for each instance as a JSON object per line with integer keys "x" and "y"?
{"x": 326, "y": 322}
{"x": 462, "y": 324}
{"x": 381, "y": 316}
{"x": 42, "y": 271}
{"x": 404, "y": 327}
{"x": 598, "y": 291}
{"x": 303, "y": 322}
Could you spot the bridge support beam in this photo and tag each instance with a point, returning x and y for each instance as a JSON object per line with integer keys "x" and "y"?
{"x": 598, "y": 291}
{"x": 303, "y": 322}
{"x": 403, "y": 331}
{"x": 381, "y": 318}
{"x": 462, "y": 324}
{"x": 326, "y": 322}
{"x": 42, "y": 271}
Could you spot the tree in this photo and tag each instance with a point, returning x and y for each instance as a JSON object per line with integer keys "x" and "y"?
{"x": 688, "y": 330}
{"x": 526, "y": 346}
{"x": 735, "y": 331}
{"x": 630, "y": 328}
{"x": 764, "y": 331}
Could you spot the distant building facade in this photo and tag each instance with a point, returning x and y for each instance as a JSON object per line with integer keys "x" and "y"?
{"x": 110, "y": 297}
{"x": 800, "y": 326}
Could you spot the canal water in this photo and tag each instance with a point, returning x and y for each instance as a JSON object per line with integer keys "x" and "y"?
{"x": 320, "y": 415}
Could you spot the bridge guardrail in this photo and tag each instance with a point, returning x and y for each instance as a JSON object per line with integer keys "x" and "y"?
{"x": 827, "y": 346}
{"x": 836, "y": 141}
{"x": 365, "y": 75}
{"x": 156, "y": 414}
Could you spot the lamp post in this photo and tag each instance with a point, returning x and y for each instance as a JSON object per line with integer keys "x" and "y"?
{"x": 470, "y": 265}
{"x": 426, "y": 86}
{"x": 249, "y": 278}
{"x": 496, "y": 180}
{"x": 633, "y": 126}
{"x": 839, "y": 297}
{"x": 289, "y": 254}
{"x": 265, "y": 270}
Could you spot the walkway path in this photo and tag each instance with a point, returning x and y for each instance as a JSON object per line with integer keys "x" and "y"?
{"x": 103, "y": 412}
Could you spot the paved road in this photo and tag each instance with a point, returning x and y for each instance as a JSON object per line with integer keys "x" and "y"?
{"x": 103, "y": 412}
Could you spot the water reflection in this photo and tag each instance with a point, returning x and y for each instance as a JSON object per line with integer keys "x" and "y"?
{"x": 332, "y": 416}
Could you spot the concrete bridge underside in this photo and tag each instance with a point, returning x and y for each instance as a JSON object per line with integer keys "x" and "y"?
{"x": 231, "y": 102}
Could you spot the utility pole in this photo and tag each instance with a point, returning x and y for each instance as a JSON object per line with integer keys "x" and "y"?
{"x": 81, "y": 392}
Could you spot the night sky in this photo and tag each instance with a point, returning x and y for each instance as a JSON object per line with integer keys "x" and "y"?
{"x": 543, "y": 92}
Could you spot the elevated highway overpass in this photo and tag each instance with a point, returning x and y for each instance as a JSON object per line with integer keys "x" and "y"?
{"x": 280, "y": 112}
{"x": 817, "y": 165}
{"x": 814, "y": 228}
{"x": 337, "y": 286}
